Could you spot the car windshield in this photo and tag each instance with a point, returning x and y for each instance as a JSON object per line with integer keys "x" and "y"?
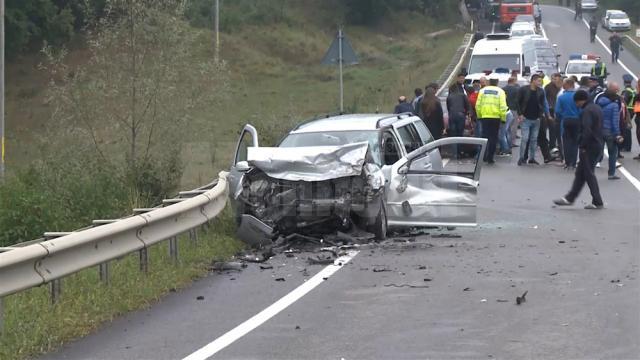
{"x": 335, "y": 138}
{"x": 482, "y": 63}
{"x": 523, "y": 32}
{"x": 579, "y": 68}
{"x": 619, "y": 16}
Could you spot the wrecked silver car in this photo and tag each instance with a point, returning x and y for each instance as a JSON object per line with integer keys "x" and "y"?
{"x": 368, "y": 171}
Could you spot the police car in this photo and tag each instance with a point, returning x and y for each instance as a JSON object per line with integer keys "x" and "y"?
{"x": 580, "y": 65}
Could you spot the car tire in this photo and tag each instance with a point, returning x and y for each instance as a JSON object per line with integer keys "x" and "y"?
{"x": 379, "y": 225}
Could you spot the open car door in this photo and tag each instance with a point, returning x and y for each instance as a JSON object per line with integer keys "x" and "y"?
{"x": 248, "y": 138}
{"x": 437, "y": 184}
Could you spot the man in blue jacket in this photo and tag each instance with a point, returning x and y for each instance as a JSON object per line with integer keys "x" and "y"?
{"x": 568, "y": 114}
{"x": 610, "y": 103}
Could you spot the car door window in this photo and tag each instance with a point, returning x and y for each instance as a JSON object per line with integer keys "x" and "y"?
{"x": 245, "y": 141}
{"x": 391, "y": 153}
{"x": 409, "y": 137}
{"x": 423, "y": 132}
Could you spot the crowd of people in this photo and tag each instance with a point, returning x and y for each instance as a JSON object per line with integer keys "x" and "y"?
{"x": 570, "y": 120}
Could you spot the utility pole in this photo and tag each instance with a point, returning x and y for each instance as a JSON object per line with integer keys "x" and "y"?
{"x": 1, "y": 90}
{"x": 217, "y": 30}
{"x": 340, "y": 61}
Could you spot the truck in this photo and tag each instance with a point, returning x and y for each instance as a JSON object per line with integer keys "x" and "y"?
{"x": 510, "y": 9}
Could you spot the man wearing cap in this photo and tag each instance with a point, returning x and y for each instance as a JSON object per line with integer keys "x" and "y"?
{"x": 491, "y": 109}
{"x": 599, "y": 70}
{"x": 403, "y": 106}
{"x": 532, "y": 106}
{"x": 590, "y": 146}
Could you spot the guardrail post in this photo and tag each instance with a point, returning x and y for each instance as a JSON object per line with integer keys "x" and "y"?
{"x": 173, "y": 248}
{"x": 104, "y": 272}
{"x": 56, "y": 290}
{"x": 144, "y": 260}
{"x": 193, "y": 236}
{"x": 1, "y": 316}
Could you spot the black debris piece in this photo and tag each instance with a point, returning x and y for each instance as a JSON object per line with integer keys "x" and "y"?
{"x": 422, "y": 267}
{"x": 321, "y": 260}
{"x": 266, "y": 267}
{"x": 407, "y": 285}
{"x": 297, "y": 327}
{"x": 325, "y": 278}
{"x": 502, "y": 300}
{"x": 521, "y": 299}
{"x": 561, "y": 242}
{"x": 200, "y": 297}
{"x": 228, "y": 266}
{"x": 427, "y": 279}
{"x": 553, "y": 273}
{"x": 467, "y": 289}
{"x": 280, "y": 279}
{"x": 615, "y": 281}
{"x": 446, "y": 236}
{"x": 174, "y": 289}
{"x": 381, "y": 269}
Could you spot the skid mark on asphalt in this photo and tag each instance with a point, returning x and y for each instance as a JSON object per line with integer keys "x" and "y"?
{"x": 241, "y": 330}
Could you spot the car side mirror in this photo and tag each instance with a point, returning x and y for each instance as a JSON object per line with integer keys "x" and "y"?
{"x": 404, "y": 169}
{"x": 243, "y": 166}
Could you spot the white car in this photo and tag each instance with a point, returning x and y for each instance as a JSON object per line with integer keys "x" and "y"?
{"x": 580, "y": 65}
{"x": 616, "y": 20}
{"x": 590, "y": 5}
{"x": 522, "y": 29}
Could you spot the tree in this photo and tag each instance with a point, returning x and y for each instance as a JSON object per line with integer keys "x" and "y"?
{"x": 136, "y": 97}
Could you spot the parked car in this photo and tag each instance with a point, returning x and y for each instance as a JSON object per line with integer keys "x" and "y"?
{"x": 367, "y": 170}
{"x": 589, "y": 5}
{"x": 616, "y": 20}
{"x": 525, "y": 19}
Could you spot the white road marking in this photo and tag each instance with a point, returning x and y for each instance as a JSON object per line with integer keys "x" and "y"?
{"x": 633, "y": 41}
{"x": 635, "y": 182}
{"x": 544, "y": 33}
{"x": 266, "y": 314}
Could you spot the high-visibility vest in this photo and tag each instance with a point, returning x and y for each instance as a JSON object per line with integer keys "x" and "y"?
{"x": 492, "y": 103}
{"x": 603, "y": 70}
{"x": 632, "y": 101}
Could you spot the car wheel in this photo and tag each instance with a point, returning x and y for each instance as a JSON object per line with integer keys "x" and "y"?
{"x": 379, "y": 226}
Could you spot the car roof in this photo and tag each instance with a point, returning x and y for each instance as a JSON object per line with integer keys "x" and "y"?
{"x": 493, "y": 47}
{"x": 522, "y": 25}
{"x": 350, "y": 122}
{"x": 616, "y": 12}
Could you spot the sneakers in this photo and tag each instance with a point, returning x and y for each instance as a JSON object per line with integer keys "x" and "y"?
{"x": 618, "y": 165}
{"x": 637, "y": 157}
{"x": 533, "y": 162}
{"x": 620, "y": 156}
{"x": 598, "y": 165}
{"x": 614, "y": 177}
{"x": 550, "y": 159}
{"x": 562, "y": 202}
{"x": 594, "y": 207}
{"x": 520, "y": 162}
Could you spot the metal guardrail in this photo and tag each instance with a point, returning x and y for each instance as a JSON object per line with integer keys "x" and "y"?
{"x": 48, "y": 260}
{"x": 452, "y": 70}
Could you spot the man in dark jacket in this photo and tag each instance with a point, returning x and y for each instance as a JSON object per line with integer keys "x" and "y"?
{"x": 615, "y": 43}
{"x": 531, "y": 108}
{"x": 590, "y": 145}
{"x": 403, "y": 106}
{"x": 458, "y": 108}
{"x": 593, "y": 29}
{"x": 610, "y": 103}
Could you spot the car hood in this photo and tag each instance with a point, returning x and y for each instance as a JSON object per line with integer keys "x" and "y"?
{"x": 310, "y": 163}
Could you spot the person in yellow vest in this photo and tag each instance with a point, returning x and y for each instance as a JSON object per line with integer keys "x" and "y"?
{"x": 599, "y": 70}
{"x": 629, "y": 96}
{"x": 491, "y": 109}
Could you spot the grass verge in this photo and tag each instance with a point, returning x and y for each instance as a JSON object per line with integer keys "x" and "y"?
{"x": 33, "y": 326}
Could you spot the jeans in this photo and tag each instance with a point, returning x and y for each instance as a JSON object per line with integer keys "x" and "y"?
{"x": 615, "y": 54}
{"x": 502, "y": 138}
{"x": 571, "y": 130}
{"x": 530, "y": 129}
{"x": 456, "y": 125}
{"x": 513, "y": 127}
{"x": 477, "y": 132}
{"x": 557, "y": 132}
{"x": 612, "y": 147}
{"x": 490, "y": 128}
{"x": 585, "y": 174}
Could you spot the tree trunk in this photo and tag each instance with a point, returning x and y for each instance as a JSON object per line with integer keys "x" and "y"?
{"x": 462, "y": 6}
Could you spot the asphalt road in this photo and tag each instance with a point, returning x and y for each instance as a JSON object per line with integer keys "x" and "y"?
{"x": 580, "y": 268}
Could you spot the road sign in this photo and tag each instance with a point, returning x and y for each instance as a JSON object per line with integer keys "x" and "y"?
{"x": 340, "y": 52}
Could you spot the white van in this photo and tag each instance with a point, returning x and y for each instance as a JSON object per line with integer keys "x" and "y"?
{"x": 502, "y": 55}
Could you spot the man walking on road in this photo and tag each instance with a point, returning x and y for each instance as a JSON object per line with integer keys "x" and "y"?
{"x": 610, "y": 103}
{"x": 593, "y": 29}
{"x": 590, "y": 146}
{"x": 615, "y": 43}
{"x": 578, "y": 10}
{"x": 531, "y": 107}
{"x": 491, "y": 109}
{"x": 567, "y": 114}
